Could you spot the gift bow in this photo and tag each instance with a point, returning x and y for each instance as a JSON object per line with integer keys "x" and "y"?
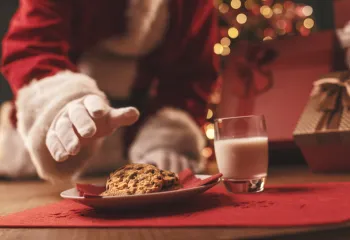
{"x": 332, "y": 93}
{"x": 251, "y": 65}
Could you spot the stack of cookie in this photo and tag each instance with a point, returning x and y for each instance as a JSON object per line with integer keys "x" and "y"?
{"x": 134, "y": 179}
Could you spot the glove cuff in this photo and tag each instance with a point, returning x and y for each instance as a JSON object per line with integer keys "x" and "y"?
{"x": 37, "y": 105}
{"x": 170, "y": 129}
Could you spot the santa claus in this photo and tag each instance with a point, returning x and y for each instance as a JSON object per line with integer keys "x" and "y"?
{"x": 83, "y": 71}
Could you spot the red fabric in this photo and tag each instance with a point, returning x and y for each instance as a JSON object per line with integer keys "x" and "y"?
{"x": 341, "y": 13}
{"x": 288, "y": 205}
{"x": 186, "y": 177}
{"x": 48, "y": 36}
{"x": 189, "y": 180}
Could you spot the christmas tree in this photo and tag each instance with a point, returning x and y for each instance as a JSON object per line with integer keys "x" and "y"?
{"x": 254, "y": 21}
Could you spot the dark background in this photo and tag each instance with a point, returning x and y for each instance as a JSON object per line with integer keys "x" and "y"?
{"x": 323, "y": 13}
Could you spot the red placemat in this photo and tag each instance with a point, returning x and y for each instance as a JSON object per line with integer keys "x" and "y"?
{"x": 292, "y": 205}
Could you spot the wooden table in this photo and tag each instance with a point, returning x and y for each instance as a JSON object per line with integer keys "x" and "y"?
{"x": 17, "y": 196}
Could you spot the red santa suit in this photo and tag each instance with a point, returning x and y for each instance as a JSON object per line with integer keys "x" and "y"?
{"x": 56, "y": 52}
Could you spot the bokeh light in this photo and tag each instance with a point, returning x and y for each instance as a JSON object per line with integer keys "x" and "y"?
{"x": 267, "y": 38}
{"x": 226, "y": 51}
{"x": 233, "y": 32}
{"x": 307, "y": 11}
{"x": 210, "y": 114}
{"x": 278, "y": 8}
{"x": 209, "y": 131}
{"x": 207, "y": 152}
{"x": 225, "y": 41}
{"x": 266, "y": 11}
{"x": 309, "y": 23}
{"x": 236, "y": 4}
{"x": 241, "y": 18}
{"x": 218, "y": 48}
{"x": 223, "y": 8}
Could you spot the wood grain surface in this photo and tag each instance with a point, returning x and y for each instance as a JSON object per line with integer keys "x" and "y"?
{"x": 20, "y": 195}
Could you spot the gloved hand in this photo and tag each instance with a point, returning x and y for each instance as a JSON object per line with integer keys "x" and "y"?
{"x": 82, "y": 122}
{"x": 168, "y": 159}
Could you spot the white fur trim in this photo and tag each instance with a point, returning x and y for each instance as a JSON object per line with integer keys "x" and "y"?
{"x": 14, "y": 157}
{"x": 146, "y": 26}
{"x": 172, "y": 129}
{"x": 37, "y": 104}
{"x": 115, "y": 74}
{"x": 344, "y": 35}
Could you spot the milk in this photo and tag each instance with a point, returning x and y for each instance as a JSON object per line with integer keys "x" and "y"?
{"x": 242, "y": 158}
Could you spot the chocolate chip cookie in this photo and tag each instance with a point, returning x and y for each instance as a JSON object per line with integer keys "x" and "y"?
{"x": 169, "y": 179}
{"x": 134, "y": 179}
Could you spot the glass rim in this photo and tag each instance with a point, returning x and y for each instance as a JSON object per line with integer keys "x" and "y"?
{"x": 239, "y": 117}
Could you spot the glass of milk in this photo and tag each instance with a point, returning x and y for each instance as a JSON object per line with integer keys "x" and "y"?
{"x": 241, "y": 149}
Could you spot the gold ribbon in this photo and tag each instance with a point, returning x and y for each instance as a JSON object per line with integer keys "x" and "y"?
{"x": 333, "y": 96}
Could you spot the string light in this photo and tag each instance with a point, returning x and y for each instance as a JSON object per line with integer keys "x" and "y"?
{"x": 241, "y": 18}
{"x": 236, "y": 4}
{"x": 266, "y": 11}
{"x": 207, "y": 152}
{"x": 233, "y": 32}
{"x": 218, "y": 48}
{"x": 278, "y": 8}
{"x": 210, "y": 114}
{"x": 225, "y": 41}
{"x": 309, "y": 23}
{"x": 209, "y": 131}
{"x": 223, "y": 8}
{"x": 226, "y": 51}
{"x": 307, "y": 11}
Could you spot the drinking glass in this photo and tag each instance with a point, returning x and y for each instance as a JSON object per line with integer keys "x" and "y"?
{"x": 241, "y": 149}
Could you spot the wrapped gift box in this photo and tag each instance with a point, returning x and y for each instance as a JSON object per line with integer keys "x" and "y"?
{"x": 323, "y": 129}
{"x": 285, "y": 83}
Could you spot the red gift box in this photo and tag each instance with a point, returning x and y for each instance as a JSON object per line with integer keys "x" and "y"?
{"x": 279, "y": 89}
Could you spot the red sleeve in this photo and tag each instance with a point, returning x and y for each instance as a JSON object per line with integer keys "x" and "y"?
{"x": 36, "y": 44}
{"x": 187, "y": 82}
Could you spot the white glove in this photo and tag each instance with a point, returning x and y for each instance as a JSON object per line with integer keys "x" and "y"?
{"x": 168, "y": 159}
{"x": 82, "y": 122}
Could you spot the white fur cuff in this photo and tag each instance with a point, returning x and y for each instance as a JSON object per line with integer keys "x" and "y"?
{"x": 169, "y": 129}
{"x": 37, "y": 105}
